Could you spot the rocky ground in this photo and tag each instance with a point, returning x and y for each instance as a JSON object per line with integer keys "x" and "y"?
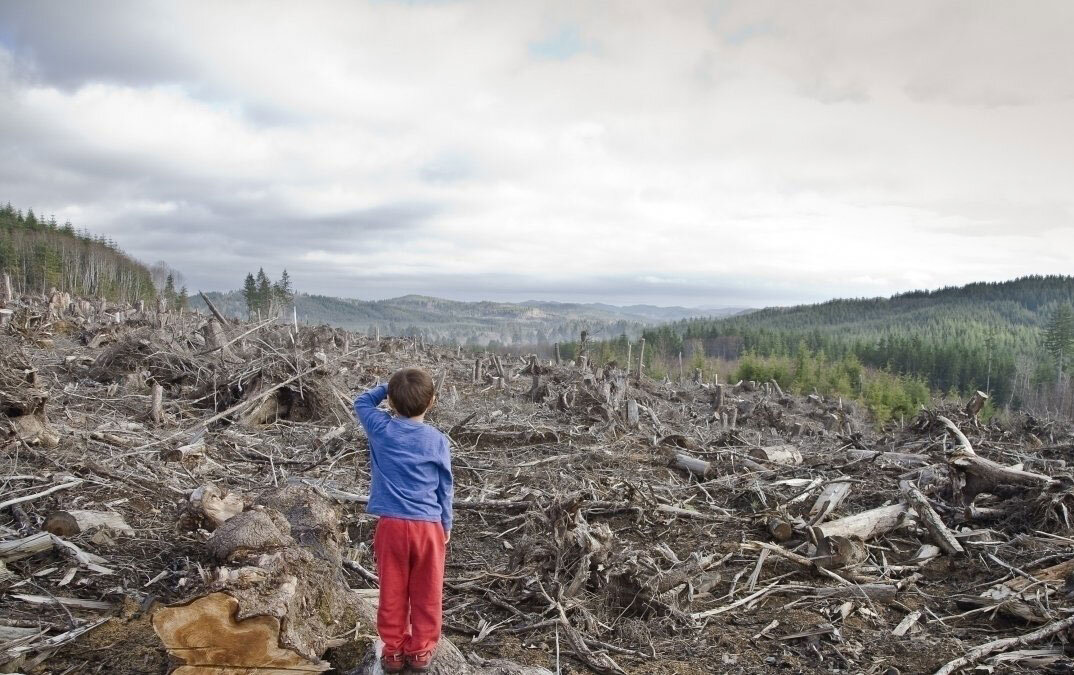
{"x": 604, "y": 523}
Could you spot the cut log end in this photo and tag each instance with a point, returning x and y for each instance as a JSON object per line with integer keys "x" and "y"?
{"x": 209, "y": 640}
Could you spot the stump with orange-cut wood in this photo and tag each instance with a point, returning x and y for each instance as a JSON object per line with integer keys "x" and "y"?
{"x": 278, "y": 602}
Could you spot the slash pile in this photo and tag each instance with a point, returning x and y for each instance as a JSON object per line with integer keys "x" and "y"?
{"x": 164, "y": 476}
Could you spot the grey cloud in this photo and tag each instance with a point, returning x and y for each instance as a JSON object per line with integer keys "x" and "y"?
{"x": 67, "y": 44}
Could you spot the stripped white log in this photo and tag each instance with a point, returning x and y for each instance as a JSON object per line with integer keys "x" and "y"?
{"x": 778, "y": 454}
{"x": 74, "y": 521}
{"x": 867, "y": 524}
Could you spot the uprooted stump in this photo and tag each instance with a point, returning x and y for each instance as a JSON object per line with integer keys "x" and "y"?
{"x": 22, "y": 401}
{"x": 278, "y": 602}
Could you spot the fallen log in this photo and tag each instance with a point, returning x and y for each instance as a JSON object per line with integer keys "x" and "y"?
{"x": 865, "y": 525}
{"x": 904, "y": 459}
{"x": 870, "y": 591}
{"x": 74, "y": 521}
{"x": 974, "y": 475}
{"x": 698, "y": 467}
{"x": 778, "y": 454}
{"x": 940, "y": 534}
{"x": 1008, "y": 596}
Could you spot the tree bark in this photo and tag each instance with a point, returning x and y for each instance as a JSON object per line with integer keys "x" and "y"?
{"x": 9, "y": 291}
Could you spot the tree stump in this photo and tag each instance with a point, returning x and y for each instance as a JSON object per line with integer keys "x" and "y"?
{"x": 278, "y": 596}
{"x": 976, "y": 404}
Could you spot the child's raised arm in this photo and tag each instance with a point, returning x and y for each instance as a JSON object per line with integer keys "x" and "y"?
{"x": 365, "y": 409}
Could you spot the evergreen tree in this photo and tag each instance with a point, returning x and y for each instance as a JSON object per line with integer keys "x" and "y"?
{"x": 249, "y": 293}
{"x": 1059, "y": 337}
{"x": 169, "y": 291}
{"x": 264, "y": 292}
{"x": 183, "y": 299}
{"x": 282, "y": 290}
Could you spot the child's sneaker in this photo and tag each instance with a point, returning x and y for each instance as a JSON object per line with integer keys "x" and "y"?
{"x": 420, "y": 661}
{"x": 393, "y": 663}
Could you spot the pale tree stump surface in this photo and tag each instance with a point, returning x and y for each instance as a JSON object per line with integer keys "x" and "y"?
{"x": 211, "y": 641}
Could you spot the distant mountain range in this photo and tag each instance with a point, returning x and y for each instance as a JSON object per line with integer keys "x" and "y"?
{"x": 481, "y": 323}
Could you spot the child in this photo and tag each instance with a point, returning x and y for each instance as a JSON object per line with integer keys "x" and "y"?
{"x": 411, "y": 493}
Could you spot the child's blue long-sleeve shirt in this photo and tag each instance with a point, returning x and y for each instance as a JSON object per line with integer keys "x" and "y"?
{"x": 411, "y": 464}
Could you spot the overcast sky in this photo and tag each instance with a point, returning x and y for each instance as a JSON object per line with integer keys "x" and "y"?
{"x": 693, "y": 153}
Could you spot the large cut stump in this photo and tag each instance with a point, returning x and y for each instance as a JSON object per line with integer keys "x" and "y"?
{"x": 213, "y": 640}
{"x": 278, "y": 602}
{"x": 278, "y": 596}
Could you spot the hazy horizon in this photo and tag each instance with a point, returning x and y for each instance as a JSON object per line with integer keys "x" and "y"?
{"x": 695, "y": 154}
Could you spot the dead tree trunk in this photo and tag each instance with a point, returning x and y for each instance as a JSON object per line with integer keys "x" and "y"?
{"x": 278, "y": 597}
{"x": 632, "y": 416}
{"x": 212, "y": 308}
{"x": 717, "y": 398}
{"x": 974, "y": 475}
{"x": 976, "y": 404}
{"x": 641, "y": 358}
{"x": 9, "y": 292}
{"x": 156, "y": 411}
{"x": 841, "y": 542}
{"x": 214, "y": 341}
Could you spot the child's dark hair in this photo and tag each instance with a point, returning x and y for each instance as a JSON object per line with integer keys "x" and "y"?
{"x": 411, "y": 391}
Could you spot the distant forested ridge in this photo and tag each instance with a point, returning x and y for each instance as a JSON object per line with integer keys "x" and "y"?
{"x": 40, "y": 255}
{"x": 983, "y": 335}
{"x": 535, "y": 325}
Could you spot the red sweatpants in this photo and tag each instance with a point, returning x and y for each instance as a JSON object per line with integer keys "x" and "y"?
{"x": 410, "y": 563}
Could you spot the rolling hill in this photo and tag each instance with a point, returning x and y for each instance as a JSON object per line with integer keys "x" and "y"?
{"x": 956, "y": 338}
{"x": 476, "y": 323}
